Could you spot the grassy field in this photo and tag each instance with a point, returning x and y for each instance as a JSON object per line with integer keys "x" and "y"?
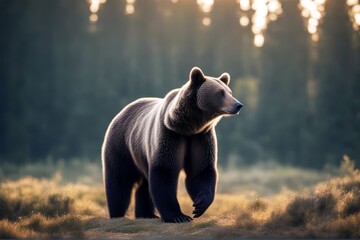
{"x": 260, "y": 201}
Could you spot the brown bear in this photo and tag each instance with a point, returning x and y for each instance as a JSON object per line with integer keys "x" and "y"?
{"x": 152, "y": 139}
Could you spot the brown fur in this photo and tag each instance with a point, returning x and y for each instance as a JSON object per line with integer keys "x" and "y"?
{"x": 152, "y": 139}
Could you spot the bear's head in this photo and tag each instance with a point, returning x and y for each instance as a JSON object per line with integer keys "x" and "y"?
{"x": 200, "y": 103}
{"x": 213, "y": 94}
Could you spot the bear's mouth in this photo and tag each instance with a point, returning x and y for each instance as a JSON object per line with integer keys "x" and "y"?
{"x": 230, "y": 113}
{"x": 234, "y": 113}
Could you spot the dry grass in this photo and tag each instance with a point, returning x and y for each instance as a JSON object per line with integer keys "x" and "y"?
{"x": 31, "y": 207}
{"x": 51, "y": 208}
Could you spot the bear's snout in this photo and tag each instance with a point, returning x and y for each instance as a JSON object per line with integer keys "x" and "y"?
{"x": 231, "y": 106}
{"x": 236, "y": 108}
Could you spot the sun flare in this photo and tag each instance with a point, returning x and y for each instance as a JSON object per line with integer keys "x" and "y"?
{"x": 261, "y": 13}
{"x": 312, "y": 11}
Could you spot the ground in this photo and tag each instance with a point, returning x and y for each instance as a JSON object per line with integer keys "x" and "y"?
{"x": 264, "y": 200}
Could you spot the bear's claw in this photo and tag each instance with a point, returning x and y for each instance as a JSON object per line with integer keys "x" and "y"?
{"x": 178, "y": 219}
{"x": 201, "y": 203}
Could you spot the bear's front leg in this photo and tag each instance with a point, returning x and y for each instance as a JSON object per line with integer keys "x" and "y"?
{"x": 201, "y": 189}
{"x": 201, "y": 173}
{"x": 163, "y": 187}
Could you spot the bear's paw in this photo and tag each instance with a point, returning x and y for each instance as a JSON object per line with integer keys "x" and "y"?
{"x": 180, "y": 218}
{"x": 202, "y": 202}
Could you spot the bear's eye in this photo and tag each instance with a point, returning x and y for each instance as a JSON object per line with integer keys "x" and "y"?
{"x": 221, "y": 93}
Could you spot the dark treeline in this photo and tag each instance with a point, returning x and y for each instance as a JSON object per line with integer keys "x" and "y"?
{"x": 62, "y": 79}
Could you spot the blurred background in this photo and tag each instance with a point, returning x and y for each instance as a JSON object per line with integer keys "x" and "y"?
{"x": 68, "y": 67}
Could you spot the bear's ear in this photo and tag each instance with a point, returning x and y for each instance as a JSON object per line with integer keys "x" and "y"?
{"x": 196, "y": 76}
{"x": 225, "y": 78}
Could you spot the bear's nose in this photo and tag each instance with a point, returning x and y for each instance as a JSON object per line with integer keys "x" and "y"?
{"x": 238, "y": 106}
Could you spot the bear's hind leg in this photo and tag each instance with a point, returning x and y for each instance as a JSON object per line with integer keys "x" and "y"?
{"x": 118, "y": 197}
{"x": 119, "y": 179}
{"x": 144, "y": 206}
